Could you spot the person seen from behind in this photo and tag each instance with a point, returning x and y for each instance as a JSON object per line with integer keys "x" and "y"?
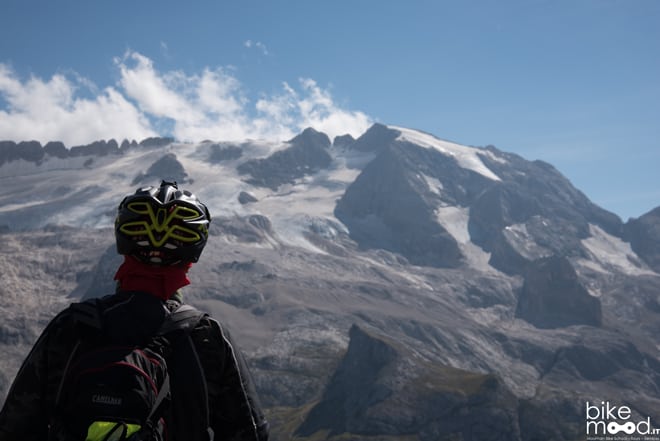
{"x": 139, "y": 364}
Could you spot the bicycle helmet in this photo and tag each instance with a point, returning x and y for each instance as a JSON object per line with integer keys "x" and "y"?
{"x": 162, "y": 225}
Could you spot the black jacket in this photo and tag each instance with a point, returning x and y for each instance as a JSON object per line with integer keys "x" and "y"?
{"x": 129, "y": 317}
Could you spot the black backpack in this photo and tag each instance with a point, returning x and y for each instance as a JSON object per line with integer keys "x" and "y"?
{"x": 150, "y": 388}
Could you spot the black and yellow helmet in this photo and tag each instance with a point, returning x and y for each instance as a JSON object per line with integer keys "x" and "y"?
{"x": 162, "y": 225}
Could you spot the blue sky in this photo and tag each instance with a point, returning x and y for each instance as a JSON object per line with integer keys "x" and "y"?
{"x": 575, "y": 83}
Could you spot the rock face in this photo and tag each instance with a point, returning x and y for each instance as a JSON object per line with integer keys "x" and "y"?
{"x": 246, "y": 198}
{"x": 32, "y": 151}
{"x": 167, "y": 167}
{"x": 56, "y": 149}
{"x": 343, "y": 141}
{"x": 552, "y": 296}
{"x": 644, "y": 236}
{"x": 307, "y": 154}
{"x": 221, "y": 153}
{"x": 156, "y": 142}
{"x": 100, "y": 281}
{"x": 376, "y": 138}
{"x": 395, "y": 203}
{"x": 251, "y": 229}
{"x": 99, "y": 148}
{"x": 377, "y": 392}
{"x": 27, "y": 150}
{"x": 356, "y": 386}
{"x": 533, "y": 198}
{"x": 390, "y": 206}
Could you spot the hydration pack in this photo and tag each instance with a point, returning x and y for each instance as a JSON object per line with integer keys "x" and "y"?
{"x": 116, "y": 390}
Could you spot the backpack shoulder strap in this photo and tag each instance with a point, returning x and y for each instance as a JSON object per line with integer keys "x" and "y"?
{"x": 184, "y": 317}
{"x": 87, "y": 313}
{"x": 187, "y": 380}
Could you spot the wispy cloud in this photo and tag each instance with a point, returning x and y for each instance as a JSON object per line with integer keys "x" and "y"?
{"x": 165, "y": 50}
{"x": 312, "y": 106}
{"x": 258, "y": 45}
{"x": 210, "y": 104}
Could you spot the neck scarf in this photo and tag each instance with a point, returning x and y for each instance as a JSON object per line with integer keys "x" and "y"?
{"x": 159, "y": 281}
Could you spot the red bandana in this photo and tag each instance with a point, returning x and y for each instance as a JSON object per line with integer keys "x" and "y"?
{"x": 159, "y": 281}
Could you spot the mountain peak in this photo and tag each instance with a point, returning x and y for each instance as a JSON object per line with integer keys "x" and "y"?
{"x": 307, "y": 153}
{"x": 375, "y": 138}
{"x": 310, "y": 136}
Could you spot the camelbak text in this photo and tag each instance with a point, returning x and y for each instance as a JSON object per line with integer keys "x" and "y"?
{"x": 106, "y": 399}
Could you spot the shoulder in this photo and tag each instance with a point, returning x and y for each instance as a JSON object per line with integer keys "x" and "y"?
{"x": 207, "y": 328}
{"x": 58, "y": 338}
{"x": 83, "y": 316}
{"x": 207, "y": 333}
{"x": 72, "y": 315}
{"x": 80, "y": 320}
{"x": 85, "y": 312}
{"x": 211, "y": 337}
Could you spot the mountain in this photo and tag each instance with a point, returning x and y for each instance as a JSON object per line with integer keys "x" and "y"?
{"x": 396, "y": 286}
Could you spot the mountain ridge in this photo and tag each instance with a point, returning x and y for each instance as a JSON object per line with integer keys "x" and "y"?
{"x": 467, "y": 263}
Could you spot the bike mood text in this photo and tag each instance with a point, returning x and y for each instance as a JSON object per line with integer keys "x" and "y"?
{"x": 611, "y": 422}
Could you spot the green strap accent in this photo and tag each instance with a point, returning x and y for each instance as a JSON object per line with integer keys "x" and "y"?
{"x": 110, "y": 431}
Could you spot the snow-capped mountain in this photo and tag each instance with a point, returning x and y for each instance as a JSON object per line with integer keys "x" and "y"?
{"x": 387, "y": 287}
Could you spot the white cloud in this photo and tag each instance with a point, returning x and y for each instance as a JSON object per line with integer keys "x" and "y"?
{"x": 319, "y": 111}
{"x": 154, "y": 94}
{"x": 313, "y": 108}
{"x": 207, "y": 105}
{"x": 52, "y": 111}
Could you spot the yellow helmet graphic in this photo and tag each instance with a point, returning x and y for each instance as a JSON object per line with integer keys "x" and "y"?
{"x": 162, "y": 225}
